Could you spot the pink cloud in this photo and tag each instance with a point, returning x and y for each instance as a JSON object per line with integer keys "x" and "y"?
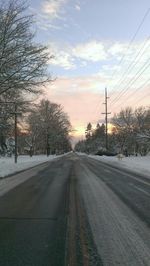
{"x": 83, "y": 102}
{"x": 81, "y": 106}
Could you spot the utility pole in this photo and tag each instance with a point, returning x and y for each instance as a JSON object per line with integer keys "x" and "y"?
{"x": 106, "y": 113}
{"x": 47, "y": 132}
{"x": 15, "y": 113}
{"x": 16, "y": 139}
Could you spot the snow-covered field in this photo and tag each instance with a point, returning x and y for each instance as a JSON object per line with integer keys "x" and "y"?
{"x": 138, "y": 164}
{"x": 7, "y": 165}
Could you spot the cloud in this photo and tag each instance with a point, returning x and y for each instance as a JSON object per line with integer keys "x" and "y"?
{"x": 77, "y": 7}
{"x": 44, "y": 21}
{"x": 53, "y": 8}
{"x": 46, "y": 25}
{"x": 112, "y": 72}
{"x": 92, "y": 51}
{"x": 111, "y": 55}
{"x": 117, "y": 49}
{"x": 62, "y": 58}
{"x": 128, "y": 53}
{"x": 79, "y": 104}
{"x": 82, "y": 98}
{"x": 65, "y": 57}
{"x": 72, "y": 85}
{"x": 49, "y": 14}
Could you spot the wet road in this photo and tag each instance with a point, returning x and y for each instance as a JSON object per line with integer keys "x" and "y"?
{"x": 118, "y": 210}
{"x": 33, "y": 218}
{"x": 131, "y": 188}
{"x": 76, "y": 211}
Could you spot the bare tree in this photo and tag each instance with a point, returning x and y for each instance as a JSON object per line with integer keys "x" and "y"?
{"x": 132, "y": 130}
{"x": 23, "y": 64}
{"x": 124, "y": 123}
{"x": 142, "y": 115}
{"x": 49, "y": 128}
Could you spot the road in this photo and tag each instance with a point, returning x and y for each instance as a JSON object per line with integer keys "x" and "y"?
{"x": 76, "y": 211}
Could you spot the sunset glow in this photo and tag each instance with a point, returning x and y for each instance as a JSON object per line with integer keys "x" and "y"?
{"x": 92, "y": 52}
{"x": 110, "y": 127}
{"x": 79, "y": 131}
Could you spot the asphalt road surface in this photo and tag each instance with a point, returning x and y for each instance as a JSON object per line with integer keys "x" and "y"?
{"x": 76, "y": 211}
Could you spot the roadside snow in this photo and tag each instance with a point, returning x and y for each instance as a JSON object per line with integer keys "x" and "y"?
{"x": 120, "y": 236}
{"x": 7, "y": 165}
{"x": 138, "y": 164}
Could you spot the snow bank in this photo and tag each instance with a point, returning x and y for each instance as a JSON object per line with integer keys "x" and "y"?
{"x": 7, "y": 165}
{"x": 138, "y": 164}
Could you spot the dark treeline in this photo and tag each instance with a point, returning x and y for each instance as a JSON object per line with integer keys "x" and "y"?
{"x": 130, "y": 134}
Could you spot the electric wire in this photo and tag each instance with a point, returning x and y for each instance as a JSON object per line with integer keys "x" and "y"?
{"x": 142, "y": 98}
{"x": 133, "y": 92}
{"x": 133, "y": 63}
{"x": 132, "y": 81}
{"x": 132, "y": 39}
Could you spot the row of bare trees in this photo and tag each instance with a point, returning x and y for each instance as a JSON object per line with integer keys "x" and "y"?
{"x": 130, "y": 134}
{"x": 49, "y": 128}
{"x": 23, "y": 73}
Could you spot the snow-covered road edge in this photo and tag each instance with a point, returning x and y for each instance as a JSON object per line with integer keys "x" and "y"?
{"x": 25, "y": 168}
{"x": 139, "y": 165}
{"x": 8, "y": 167}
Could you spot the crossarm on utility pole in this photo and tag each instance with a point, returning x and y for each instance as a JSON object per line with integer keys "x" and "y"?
{"x": 106, "y": 118}
{"x": 15, "y": 113}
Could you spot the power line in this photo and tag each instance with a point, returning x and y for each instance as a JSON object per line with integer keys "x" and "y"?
{"x": 132, "y": 81}
{"x": 133, "y": 62}
{"x": 142, "y": 98}
{"x": 96, "y": 108}
{"x": 133, "y": 93}
{"x": 141, "y": 87}
{"x": 132, "y": 39}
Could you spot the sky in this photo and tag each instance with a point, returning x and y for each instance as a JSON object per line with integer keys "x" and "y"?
{"x": 96, "y": 44}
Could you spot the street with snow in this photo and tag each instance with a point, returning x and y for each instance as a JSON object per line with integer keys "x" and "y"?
{"x": 75, "y": 210}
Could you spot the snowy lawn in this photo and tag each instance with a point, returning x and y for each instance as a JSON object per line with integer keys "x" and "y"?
{"x": 138, "y": 164}
{"x": 7, "y": 165}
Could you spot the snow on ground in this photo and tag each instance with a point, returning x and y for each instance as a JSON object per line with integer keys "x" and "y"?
{"x": 139, "y": 164}
{"x": 120, "y": 236}
{"x": 7, "y": 165}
